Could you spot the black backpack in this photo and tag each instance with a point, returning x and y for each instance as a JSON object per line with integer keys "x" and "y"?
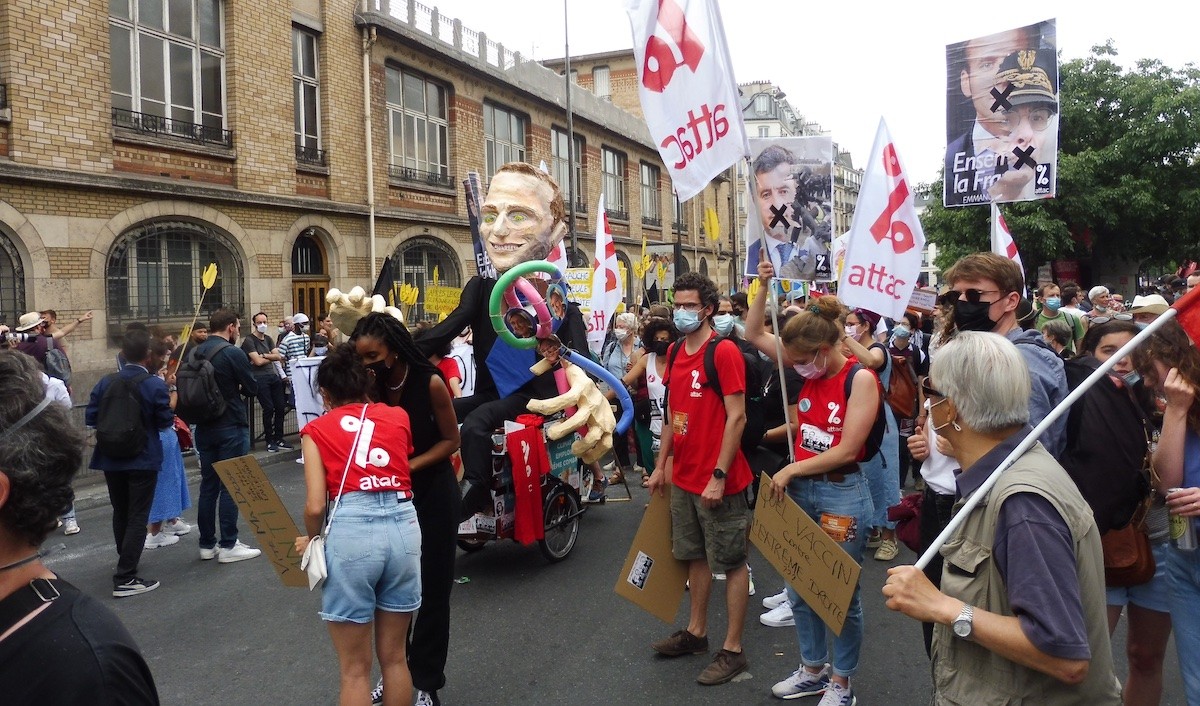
{"x": 57, "y": 363}
{"x": 756, "y": 426}
{"x": 199, "y": 397}
{"x": 120, "y": 426}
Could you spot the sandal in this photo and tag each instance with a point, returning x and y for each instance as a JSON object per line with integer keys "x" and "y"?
{"x": 617, "y": 477}
{"x": 645, "y": 480}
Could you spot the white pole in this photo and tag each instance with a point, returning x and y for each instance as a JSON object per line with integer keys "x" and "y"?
{"x": 961, "y": 516}
{"x": 368, "y": 40}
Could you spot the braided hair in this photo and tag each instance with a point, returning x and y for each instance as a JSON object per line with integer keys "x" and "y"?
{"x": 389, "y": 330}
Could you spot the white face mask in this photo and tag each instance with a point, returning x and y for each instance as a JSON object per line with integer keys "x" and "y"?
{"x": 261, "y": 328}
{"x": 320, "y": 351}
{"x": 622, "y": 334}
{"x": 852, "y": 331}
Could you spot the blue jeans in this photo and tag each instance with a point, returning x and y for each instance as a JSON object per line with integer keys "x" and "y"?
{"x": 883, "y": 473}
{"x": 1183, "y": 573}
{"x": 851, "y": 498}
{"x": 212, "y": 445}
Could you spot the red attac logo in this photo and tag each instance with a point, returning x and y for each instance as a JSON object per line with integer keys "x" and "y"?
{"x": 660, "y": 61}
{"x": 898, "y": 234}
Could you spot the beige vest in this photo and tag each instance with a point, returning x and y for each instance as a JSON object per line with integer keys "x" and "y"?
{"x": 965, "y": 672}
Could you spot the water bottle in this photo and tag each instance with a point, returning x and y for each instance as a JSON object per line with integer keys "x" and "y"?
{"x": 1183, "y": 529}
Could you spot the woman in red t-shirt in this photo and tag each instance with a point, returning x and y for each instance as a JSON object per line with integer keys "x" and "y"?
{"x": 356, "y": 455}
{"x": 830, "y": 432}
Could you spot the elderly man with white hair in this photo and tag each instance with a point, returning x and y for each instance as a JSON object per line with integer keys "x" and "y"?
{"x": 1101, "y": 300}
{"x": 1020, "y": 617}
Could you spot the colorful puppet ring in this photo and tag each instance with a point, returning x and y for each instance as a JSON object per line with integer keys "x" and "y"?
{"x": 505, "y": 292}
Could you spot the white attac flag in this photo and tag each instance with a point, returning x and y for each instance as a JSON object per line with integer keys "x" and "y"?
{"x": 883, "y": 256}
{"x": 1002, "y": 240}
{"x": 558, "y": 256}
{"x": 689, "y": 95}
{"x": 606, "y": 282}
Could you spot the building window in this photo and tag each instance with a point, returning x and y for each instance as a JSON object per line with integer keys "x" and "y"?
{"x": 154, "y": 272}
{"x": 419, "y": 258}
{"x": 613, "y": 168}
{"x": 680, "y": 223}
{"x": 419, "y": 128}
{"x": 12, "y": 282}
{"x": 764, "y": 130}
{"x": 558, "y": 152}
{"x": 600, "y": 83}
{"x": 307, "y": 97}
{"x": 762, "y": 104}
{"x": 504, "y": 137}
{"x": 307, "y": 258}
{"x": 651, "y": 196}
{"x": 168, "y": 66}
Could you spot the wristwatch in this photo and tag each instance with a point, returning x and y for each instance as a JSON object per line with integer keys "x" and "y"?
{"x": 719, "y": 474}
{"x": 963, "y": 623}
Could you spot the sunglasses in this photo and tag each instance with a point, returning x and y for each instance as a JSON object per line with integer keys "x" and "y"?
{"x": 1098, "y": 320}
{"x": 929, "y": 391}
{"x": 972, "y": 295}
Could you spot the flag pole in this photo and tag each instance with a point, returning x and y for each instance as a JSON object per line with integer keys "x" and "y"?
{"x": 961, "y": 515}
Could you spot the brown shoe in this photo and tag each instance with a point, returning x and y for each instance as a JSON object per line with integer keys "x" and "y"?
{"x": 725, "y": 666}
{"x": 681, "y": 643}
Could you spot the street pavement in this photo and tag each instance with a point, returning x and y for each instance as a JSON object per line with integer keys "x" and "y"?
{"x": 524, "y": 631}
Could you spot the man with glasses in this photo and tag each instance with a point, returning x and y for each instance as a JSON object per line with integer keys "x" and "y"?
{"x": 1030, "y": 79}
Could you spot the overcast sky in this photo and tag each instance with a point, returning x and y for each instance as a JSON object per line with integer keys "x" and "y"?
{"x": 889, "y": 57}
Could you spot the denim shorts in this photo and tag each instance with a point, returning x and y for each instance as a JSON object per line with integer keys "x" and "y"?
{"x": 373, "y": 553}
{"x": 1155, "y": 594}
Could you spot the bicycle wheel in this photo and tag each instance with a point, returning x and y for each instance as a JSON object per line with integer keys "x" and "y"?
{"x": 471, "y": 545}
{"x": 562, "y": 525}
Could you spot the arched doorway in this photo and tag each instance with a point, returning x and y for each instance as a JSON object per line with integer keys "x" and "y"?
{"x": 310, "y": 274}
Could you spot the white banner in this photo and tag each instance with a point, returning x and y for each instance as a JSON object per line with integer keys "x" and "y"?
{"x": 689, "y": 95}
{"x": 607, "y": 285}
{"x": 883, "y": 256}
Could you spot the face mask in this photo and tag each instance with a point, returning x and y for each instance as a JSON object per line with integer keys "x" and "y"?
{"x": 659, "y": 347}
{"x": 261, "y": 328}
{"x": 320, "y": 351}
{"x": 813, "y": 370}
{"x": 622, "y": 334}
{"x": 723, "y": 323}
{"x": 686, "y": 321}
{"x": 380, "y": 368}
{"x": 973, "y": 317}
{"x": 282, "y": 330}
{"x": 902, "y": 332}
{"x": 1100, "y": 309}
{"x": 1052, "y": 303}
{"x": 852, "y": 331}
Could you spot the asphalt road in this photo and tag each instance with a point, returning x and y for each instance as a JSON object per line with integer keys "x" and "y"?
{"x": 524, "y": 631}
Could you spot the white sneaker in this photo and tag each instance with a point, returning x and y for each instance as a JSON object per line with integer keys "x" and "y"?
{"x": 162, "y": 539}
{"x": 206, "y": 554}
{"x": 778, "y": 617}
{"x": 424, "y": 698}
{"x": 71, "y": 526}
{"x": 177, "y": 527}
{"x": 776, "y": 600}
{"x": 750, "y": 577}
{"x": 838, "y": 695}
{"x": 238, "y": 552}
{"x": 802, "y": 683}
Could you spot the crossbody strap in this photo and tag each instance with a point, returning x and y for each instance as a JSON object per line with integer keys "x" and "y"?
{"x": 26, "y": 604}
{"x": 346, "y": 471}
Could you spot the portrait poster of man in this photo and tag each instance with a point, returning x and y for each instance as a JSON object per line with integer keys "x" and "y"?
{"x": 660, "y": 275}
{"x": 790, "y": 188}
{"x": 1002, "y": 117}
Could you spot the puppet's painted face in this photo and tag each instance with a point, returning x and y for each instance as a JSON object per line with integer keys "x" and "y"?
{"x": 517, "y": 225}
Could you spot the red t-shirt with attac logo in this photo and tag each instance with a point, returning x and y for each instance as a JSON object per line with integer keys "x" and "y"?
{"x": 821, "y": 411}
{"x": 379, "y": 462}
{"x": 697, "y": 417}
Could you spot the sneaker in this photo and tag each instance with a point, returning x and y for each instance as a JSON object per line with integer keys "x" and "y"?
{"x": 134, "y": 586}
{"x": 273, "y": 448}
{"x": 596, "y": 496}
{"x": 206, "y": 554}
{"x": 238, "y": 552}
{"x": 776, "y": 600}
{"x": 177, "y": 527}
{"x": 427, "y": 698}
{"x": 725, "y": 666}
{"x": 71, "y": 526}
{"x": 778, "y": 617}
{"x": 750, "y": 577}
{"x": 874, "y": 539}
{"x": 681, "y": 643}
{"x": 888, "y": 550}
{"x": 838, "y": 695}
{"x": 802, "y": 683}
{"x": 283, "y": 445}
{"x": 377, "y": 694}
{"x": 162, "y": 539}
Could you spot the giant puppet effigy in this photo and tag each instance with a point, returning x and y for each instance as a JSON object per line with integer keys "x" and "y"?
{"x": 520, "y": 221}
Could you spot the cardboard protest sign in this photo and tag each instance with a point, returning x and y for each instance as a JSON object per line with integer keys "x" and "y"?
{"x": 440, "y": 299}
{"x": 651, "y": 577}
{"x": 805, "y": 556}
{"x": 923, "y": 300}
{"x": 264, "y": 512}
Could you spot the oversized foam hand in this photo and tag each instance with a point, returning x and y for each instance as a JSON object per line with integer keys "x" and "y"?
{"x": 592, "y": 411}
{"x": 347, "y": 308}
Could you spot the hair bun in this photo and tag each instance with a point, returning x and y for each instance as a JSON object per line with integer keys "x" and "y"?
{"x": 827, "y": 307}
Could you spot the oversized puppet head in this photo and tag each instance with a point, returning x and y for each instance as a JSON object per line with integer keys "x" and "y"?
{"x": 523, "y": 217}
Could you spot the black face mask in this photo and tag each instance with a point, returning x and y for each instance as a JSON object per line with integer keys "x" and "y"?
{"x": 973, "y": 317}
{"x": 381, "y": 369}
{"x": 659, "y": 347}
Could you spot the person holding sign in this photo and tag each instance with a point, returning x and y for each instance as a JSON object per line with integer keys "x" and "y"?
{"x": 826, "y": 480}
{"x": 357, "y": 455}
{"x": 1021, "y": 615}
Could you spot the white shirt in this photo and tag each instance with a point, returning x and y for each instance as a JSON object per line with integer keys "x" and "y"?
{"x": 938, "y": 470}
{"x": 57, "y": 391}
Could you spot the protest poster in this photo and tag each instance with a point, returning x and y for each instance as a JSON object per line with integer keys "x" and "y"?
{"x": 652, "y": 578}
{"x": 1002, "y": 117}
{"x": 258, "y": 502}
{"x": 441, "y": 300}
{"x": 808, "y": 559}
{"x": 304, "y": 386}
{"x": 791, "y": 190}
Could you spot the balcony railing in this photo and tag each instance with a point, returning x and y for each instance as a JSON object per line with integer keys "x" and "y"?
{"x": 580, "y": 206}
{"x": 652, "y": 222}
{"x": 310, "y": 155}
{"x": 165, "y": 127}
{"x": 679, "y": 226}
{"x": 617, "y": 214}
{"x": 418, "y": 176}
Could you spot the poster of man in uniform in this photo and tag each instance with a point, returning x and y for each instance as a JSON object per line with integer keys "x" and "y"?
{"x": 1002, "y": 117}
{"x": 660, "y": 275}
{"x": 790, "y": 188}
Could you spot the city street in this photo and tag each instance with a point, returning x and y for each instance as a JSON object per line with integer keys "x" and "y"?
{"x": 524, "y": 631}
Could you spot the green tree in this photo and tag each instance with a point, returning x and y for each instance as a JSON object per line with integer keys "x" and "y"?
{"x": 1128, "y": 172}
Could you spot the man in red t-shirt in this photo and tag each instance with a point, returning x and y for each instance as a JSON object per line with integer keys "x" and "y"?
{"x": 710, "y": 511}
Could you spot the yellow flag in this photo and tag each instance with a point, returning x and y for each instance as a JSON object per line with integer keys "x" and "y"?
{"x": 408, "y": 294}
{"x": 752, "y": 292}
{"x": 209, "y": 277}
{"x": 662, "y": 274}
{"x": 712, "y": 224}
{"x": 436, "y": 278}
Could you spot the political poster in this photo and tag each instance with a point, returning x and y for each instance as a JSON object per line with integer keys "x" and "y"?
{"x": 791, "y": 191}
{"x": 660, "y": 272}
{"x": 579, "y": 281}
{"x": 1002, "y": 117}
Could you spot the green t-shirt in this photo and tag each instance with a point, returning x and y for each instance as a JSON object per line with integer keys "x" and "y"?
{"x": 1074, "y": 321}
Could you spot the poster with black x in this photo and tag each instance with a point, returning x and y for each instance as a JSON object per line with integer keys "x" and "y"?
{"x": 1002, "y": 117}
{"x": 791, "y": 190}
